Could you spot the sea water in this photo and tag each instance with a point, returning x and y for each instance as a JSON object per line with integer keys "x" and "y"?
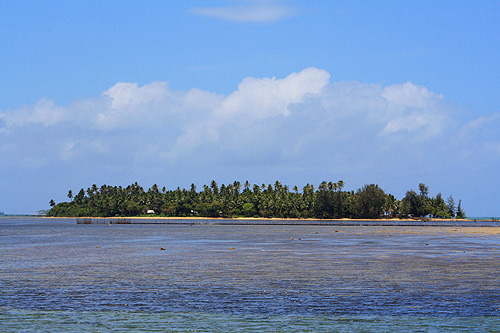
{"x": 56, "y": 275}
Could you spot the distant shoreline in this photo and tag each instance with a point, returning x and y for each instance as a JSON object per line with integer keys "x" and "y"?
{"x": 491, "y": 225}
{"x": 270, "y": 219}
{"x": 290, "y": 222}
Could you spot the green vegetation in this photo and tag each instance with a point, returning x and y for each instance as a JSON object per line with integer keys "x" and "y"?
{"x": 329, "y": 201}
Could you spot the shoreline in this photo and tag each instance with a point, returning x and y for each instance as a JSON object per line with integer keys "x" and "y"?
{"x": 290, "y": 222}
{"x": 267, "y": 219}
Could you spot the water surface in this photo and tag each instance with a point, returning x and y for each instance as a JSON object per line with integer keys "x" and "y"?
{"x": 57, "y": 275}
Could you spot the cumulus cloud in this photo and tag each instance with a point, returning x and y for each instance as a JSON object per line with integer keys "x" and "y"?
{"x": 254, "y": 101}
{"x": 274, "y": 95}
{"x": 269, "y": 127}
{"x": 302, "y": 119}
{"x": 415, "y": 109}
{"x": 44, "y": 112}
{"x": 253, "y": 11}
{"x": 130, "y": 104}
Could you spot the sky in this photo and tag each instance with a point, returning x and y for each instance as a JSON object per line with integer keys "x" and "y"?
{"x": 171, "y": 93}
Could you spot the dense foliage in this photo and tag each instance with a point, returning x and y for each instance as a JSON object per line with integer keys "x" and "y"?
{"x": 329, "y": 201}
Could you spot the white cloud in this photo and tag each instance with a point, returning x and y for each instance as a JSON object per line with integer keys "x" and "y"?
{"x": 269, "y": 127}
{"x": 44, "y": 112}
{"x": 255, "y": 100}
{"x": 349, "y": 98}
{"x": 415, "y": 109}
{"x": 479, "y": 139}
{"x": 131, "y": 105}
{"x": 262, "y": 98}
{"x": 301, "y": 118}
{"x": 412, "y": 123}
{"x": 410, "y": 95}
{"x": 478, "y": 124}
{"x": 126, "y": 94}
{"x": 255, "y": 12}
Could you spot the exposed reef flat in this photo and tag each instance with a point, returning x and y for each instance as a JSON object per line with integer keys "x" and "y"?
{"x": 272, "y": 221}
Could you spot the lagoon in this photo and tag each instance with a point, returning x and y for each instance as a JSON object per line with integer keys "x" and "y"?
{"x": 56, "y": 275}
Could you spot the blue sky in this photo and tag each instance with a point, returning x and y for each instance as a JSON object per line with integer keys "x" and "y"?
{"x": 181, "y": 92}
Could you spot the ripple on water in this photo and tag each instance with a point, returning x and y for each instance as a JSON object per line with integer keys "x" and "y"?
{"x": 96, "y": 277}
{"x": 104, "y": 321}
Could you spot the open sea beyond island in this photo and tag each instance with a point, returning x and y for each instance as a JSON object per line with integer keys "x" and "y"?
{"x": 57, "y": 275}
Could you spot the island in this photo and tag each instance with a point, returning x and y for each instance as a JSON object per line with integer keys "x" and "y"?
{"x": 328, "y": 201}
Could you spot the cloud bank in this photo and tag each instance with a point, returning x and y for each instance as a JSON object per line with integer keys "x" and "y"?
{"x": 301, "y": 123}
{"x": 290, "y": 116}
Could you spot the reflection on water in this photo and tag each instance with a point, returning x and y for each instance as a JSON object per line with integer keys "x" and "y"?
{"x": 282, "y": 277}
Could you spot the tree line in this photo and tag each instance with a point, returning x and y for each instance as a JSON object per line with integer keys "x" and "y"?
{"x": 328, "y": 201}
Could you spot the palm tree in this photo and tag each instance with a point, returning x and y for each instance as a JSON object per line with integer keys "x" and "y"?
{"x": 340, "y": 185}
{"x": 236, "y": 187}
{"x": 277, "y": 186}
{"x": 214, "y": 187}
{"x": 323, "y": 186}
{"x": 332, "y": 186}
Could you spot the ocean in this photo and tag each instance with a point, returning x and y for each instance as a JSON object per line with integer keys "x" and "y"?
{"x": 56, "y": 275}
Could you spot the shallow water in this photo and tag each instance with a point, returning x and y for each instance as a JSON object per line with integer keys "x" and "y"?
{"x": 56, "y": 275}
